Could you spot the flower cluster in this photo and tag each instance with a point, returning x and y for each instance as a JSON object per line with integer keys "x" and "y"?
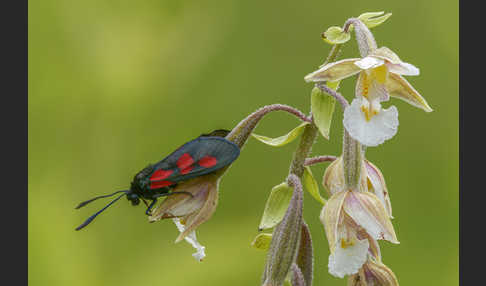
{"x": 357, "y": 213}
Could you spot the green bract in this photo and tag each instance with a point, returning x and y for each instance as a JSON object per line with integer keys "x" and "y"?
{"x": 335, "y": 35}
{"x": 371, "y": 19}
{"x": 311, "y": 185}
{"x": 322, "y": 107}
{"x": 262, "y": 241}
{"x": 282, "y": 140}
{"x": 276, "y": 205}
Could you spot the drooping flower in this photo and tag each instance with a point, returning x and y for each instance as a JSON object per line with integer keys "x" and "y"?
{"x": 377, "y": 185}
{"x": 350, "y": 219}
{"x": 371, "y": 180}
{"x": 189, "y": 212}
{"x": 373, "y": 273}
{"x": 380, "y": 76}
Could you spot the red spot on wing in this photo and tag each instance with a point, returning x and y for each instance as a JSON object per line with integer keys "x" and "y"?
{"x": 208, "y": 161}
{"x": 161, "y": 174}
{"x": 184, "y": 161}
{"x": 187, "y": 170}
{"x": 160, "y": 184}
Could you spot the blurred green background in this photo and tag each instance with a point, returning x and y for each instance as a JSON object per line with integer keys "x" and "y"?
{"x": 115, "y": 85}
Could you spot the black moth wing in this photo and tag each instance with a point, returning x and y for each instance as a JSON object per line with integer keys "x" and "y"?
{"x": 224, "y": 151}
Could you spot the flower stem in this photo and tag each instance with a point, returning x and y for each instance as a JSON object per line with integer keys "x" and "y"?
{"x": 344, "y": 103}
{"x": 365, "y": 39}
{"x": 303, "y": 150}
{"x": 311, "y": 131}
{"x": 319, "y": 159}
{"x": 352, "y": 159}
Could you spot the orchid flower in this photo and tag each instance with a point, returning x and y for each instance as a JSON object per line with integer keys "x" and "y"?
{"x": 188, "y": 212}
{"x": 380, "y": 76}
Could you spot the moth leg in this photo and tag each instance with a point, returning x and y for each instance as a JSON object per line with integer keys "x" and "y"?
{"x": 149, "y": 209}
{"x": 145, "y": 202}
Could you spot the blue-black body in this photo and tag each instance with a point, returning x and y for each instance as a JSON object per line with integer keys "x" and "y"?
{"x": 204, "y": 155}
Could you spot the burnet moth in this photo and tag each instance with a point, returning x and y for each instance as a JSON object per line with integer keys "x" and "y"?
{"x": 201, "y": 156}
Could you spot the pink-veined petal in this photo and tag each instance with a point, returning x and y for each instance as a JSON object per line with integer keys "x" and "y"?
{"x": 333, "y": 179}
{"x": 367, "y": 211}
{"x": 330, "y": 217}
{"x": 373, "y": 91}
{"x": 377, "y": 180}
{"x": 205, "y": 213}
{"x": 182, "y": 204}
{"x": 379, "y": 274}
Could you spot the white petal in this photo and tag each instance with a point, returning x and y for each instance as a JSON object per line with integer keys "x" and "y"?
{"x": 369, "y": 62}
{"x": 374, "y": 132}
{"x": 347, "y": 261}
{"x": 191, "y": 239}
{"x": 403, "y": 69}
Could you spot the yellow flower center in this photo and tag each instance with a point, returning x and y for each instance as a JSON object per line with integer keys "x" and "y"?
{"x": 346, "y": 243}
{"x": 366, "y": 112}
{"x": 378, "y": 74}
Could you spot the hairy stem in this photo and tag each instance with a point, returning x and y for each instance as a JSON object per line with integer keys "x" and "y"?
{"x": 344, "y": 103}
{"x": 303, "y": 150}
{"x": 365, "y": 39}
{"x": 352, "y": 159}
{"x": 319, "y": 159}
{"x": 310, "y": 132}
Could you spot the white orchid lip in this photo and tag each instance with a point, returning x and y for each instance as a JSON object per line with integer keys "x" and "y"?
{"x": 192, "y": 240}
{"x": 348, "y": 257}
{"x": 370, "y": 131}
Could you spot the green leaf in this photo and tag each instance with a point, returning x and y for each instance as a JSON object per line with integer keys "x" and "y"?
{"x": 311, "y": 185}
{"x": 282, "y": 140}
{"x": 322, "y": 107}
{"x": 371, "y": 19}
{"x": 335, "y": 35}
{"x": 262, "y": 241}
{"x": 276, "y": 206}
{"x": 333, "y": 84}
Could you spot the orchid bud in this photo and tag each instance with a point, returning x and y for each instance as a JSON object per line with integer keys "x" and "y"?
{"x": 373, "y": 273}
{"x": 285, "y": 239}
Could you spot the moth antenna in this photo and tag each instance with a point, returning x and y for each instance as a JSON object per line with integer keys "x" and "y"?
{"x": 100, "y": 197}
{"x": 100, "y": 211}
